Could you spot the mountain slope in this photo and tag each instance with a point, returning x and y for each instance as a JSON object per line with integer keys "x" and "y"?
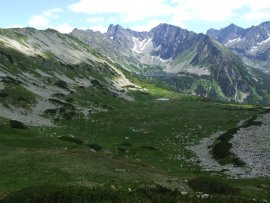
{"x": 251, "y": 44}
{"x": 40, "y": 71}
{"x": 181, "y": 60}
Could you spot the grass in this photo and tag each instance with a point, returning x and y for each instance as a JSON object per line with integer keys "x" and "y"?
{"x": 154, "y": 143}
{"x": 212, "y": 186}
{"x": 137, "y": 145}
{"x": 71, "y": 139}
{"x": 17, "y": 95}
{"x": 69, "y": 194}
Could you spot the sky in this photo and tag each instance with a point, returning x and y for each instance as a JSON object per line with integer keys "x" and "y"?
{"x": 139, "y": 15}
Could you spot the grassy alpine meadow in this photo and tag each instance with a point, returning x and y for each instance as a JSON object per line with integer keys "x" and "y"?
{"x": 128, "y": 148}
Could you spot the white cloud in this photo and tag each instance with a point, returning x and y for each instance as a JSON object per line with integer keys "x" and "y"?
{"x": 128, "y": 11}
{"x": 100, "y": 28}
{"x": 52, "y": 13}
{"x": 218, "y": 11}
{"x": 95, "y": 20}
{"x": 15, "y": 26}
{"x": 43, "y": 20}
{"x": 148, "y": 26}
{"x": 257, "y": 15}
{"x": 178, "y": 12}
{"x": 38, "y": 21}
{"x": 64, "y": 28}
{"x": 207, "y": 10}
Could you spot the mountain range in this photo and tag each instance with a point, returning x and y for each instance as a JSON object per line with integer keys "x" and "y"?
{"x": 251, "y": 44}
{"x": 181, "y": 60}
{"x": 167, "y": 55}
{"x": 137, "y": 116}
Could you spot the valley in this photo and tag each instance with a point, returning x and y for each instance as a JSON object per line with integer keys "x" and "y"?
{"x": 77, "y": 123}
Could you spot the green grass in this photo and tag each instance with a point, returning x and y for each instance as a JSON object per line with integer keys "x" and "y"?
{"x": 212, "y": 186}
{"x": 135, "y": 145}
{"x": 70, "y": 194}
{"x": 17, "y": 95}
{"x": 37, "y": 155}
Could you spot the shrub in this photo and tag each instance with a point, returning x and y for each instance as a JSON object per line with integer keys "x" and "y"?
{"x": 50, "y": 111}
{"x": 69, "y": 194}
{"x": 149, "y": 148}
{"x": 107, "y": 107}
{"x": 95, "y": 147}
{"x": 69, "y": 115}
{"x": 61, "y": 84}
{"x": 96, "y": 83}
{"x": 58, "y": 95}
{"x": 70, "y": 100}
{"x": 126, "y": 144}
{"x": 3, "y": 94}
{"x": 212, "y": 185}
{"x": 17, "y": 124}
{"x": 71, "y": 139}
{"x": 122, "y": 149}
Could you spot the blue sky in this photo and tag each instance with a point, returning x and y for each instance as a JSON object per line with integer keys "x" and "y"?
{"x": 141, "y": 15}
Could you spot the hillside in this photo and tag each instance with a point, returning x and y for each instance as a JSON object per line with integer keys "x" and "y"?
{"x": 40, "y": 70}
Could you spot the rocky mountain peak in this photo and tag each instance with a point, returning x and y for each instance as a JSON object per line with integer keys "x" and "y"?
{"x": 226, "y": 34}
{"x": 113, "y": 29}
{"x": 251, "y": 44}
{"x": 172, "y": 51}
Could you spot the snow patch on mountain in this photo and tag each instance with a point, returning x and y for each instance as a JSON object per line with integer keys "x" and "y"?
{"x": 141, "y": 45}
{"x": 258, "y": 45}
{"x": 268, "y": 39}
{"x": 233, "y": 41}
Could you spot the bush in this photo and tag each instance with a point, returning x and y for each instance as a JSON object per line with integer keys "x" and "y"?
{"x": 61, "y": 84}
{"x": 17, "y": 124}
{"x": 71, "y": 139}
{"x": 50, "y": 111}
{"x": 149, "y": 148}
{"x": 69, "y": 115}
{"x": 126, "y": 144}
{"x": 122, "y": 149}
{"x": 3, "y": 94}
{"x": 70, "y": 100}
{"x": 58, "y": 95}
{"x": 46, "y": 194}
{"x": 95, "y": 147}
{"x": 97, "y": 84}
{"x": 107, "y": 107}
{"x": 212, "y": 185}
{"x": 69, "y": 194}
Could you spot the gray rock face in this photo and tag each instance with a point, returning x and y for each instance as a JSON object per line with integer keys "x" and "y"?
{"x": 250, "y": 145}
{"x": 226, "y": 34}
{"x": 172, "y": 40}
{"x": 252, "y": 44}
{"x": 123, "y": 37}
